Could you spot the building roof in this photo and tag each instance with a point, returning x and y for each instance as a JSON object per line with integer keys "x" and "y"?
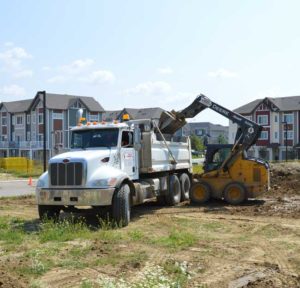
{"x": 64, "y": 101}
{"x": 17, "y": 106}
{"x": 289, "y": 103}
{"x": 111, "y": 115}
{"x": 134, "y": 113}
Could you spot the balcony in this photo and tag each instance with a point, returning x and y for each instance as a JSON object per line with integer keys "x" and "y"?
{"x": 23, "y": 145}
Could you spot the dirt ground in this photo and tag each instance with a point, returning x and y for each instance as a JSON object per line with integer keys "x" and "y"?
{"x": 256, "y": 244}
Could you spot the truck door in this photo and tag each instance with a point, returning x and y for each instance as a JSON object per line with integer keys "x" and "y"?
{"x": 128, "y": 155}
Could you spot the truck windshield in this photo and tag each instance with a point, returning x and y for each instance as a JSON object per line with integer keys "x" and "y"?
{"x": 95, "y": 138}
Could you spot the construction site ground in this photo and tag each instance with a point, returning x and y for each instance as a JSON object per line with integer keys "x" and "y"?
{"x": 256, "y": 244}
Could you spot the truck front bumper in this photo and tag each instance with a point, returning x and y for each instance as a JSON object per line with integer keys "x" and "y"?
{"x": 74, "y": 197}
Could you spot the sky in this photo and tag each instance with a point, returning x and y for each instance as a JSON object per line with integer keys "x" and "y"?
{"x": 158, "y": 53}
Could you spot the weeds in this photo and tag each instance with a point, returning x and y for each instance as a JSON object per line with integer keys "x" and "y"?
{"x": 176, "y": 240}
{"x": 65, "y": 230}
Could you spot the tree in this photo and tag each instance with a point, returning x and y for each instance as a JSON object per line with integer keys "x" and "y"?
{"x": 222, "y": 139}
{"x": 196, "y": 143}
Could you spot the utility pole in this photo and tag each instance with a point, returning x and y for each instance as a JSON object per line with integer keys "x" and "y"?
{"x": 285, "y": 130}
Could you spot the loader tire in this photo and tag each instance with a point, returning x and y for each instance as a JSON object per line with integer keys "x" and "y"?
{"x": 49, "y": 212}
{"x": 185, "y": 183}
{"x": 174, "y": 194}
{"x": 200, "y": 192}
{"x": 234, "y": 193}
{"x": 121, "y": 206}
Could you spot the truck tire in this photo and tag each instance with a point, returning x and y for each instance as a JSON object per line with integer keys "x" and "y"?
{"x": 174, "y": 192}
{"x": 200, "y": 192}
{"x": 49, "y": 212}
{"x": 234, "y": 193}
{"x": 185, "y": 183}
{"x": 121, "y": 206}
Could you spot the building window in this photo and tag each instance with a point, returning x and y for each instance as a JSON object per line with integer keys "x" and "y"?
{"x": 41, "y": 118}
{"x": 41, "y": 137}
{"x": 4, "y": 121}
{"x": 264, "y": 135}
{"x": 290, "y": 135}
{"x": 28, "y": 119}
{"x": 94, "y": 118}
{"x": 288, "y": 118}
{"x": 276, "y": 135}
{"x": 262, "y": 119}
{"x": 57, "y": 115}
{"x": 276, "y": 119}
{"x": 19, "y": 120}
{"x": 200, "y": 132}
{"x": 33, "y": 118}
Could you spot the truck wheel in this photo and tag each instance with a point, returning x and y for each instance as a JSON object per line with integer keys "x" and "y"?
{"x": 235, "y": 193}
{"x": 49, "y": 212}
{"x": 185, "y": 183}
{"x": 121, "y": 206}
{"x": 200, "y": 192}
{"x": 174, "y": 194}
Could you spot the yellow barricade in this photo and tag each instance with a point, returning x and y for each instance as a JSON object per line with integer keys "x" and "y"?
{"x": 21, "y": 164}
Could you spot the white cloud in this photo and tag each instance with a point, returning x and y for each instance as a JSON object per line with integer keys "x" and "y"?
{"x": 8, "y": 44}
{"x": 58, "y": 79}
{"x": 13, "y": 56}
{"x": 165, "y": 70}
{"x": 46, "y": 68}
{"x": 77, "y": 66}
{"x": 23, "y": 73}
{"x": 223, "y": 73}
{"x": 13, "y": 90}
{"x": 80, "y": 70}
{"x": 157, "y": 88}
{"x": 99, "y": 77}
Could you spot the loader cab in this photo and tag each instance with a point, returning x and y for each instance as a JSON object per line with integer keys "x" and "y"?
{"x": 216, "y": 155}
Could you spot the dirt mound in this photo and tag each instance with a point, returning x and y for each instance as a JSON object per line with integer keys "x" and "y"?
{"x": 9, "y": 281}
{"x": 285, "y": 180}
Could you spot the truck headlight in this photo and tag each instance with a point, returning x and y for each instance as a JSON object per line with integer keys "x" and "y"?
{"x": 108, "y": 182}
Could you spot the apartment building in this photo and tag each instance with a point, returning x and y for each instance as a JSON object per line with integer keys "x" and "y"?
{"x": 134, "y": 113}
{"x": 207, "y": 131}
{"x": 280, "y": 118}
{"x": 22, "y": 126}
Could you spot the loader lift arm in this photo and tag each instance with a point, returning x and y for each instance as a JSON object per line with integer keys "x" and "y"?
{"x": 247, "y": 133}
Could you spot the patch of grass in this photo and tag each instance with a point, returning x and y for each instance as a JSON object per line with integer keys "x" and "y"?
{"x": 213, "y": 226}
{"x": 177, "y": 271}
{"x": 176, "y": 239}
{"x": 11, "y": 231}
{"x": 63, "y": 231}
{"x": 136, "y": 235}
{"x": 86, "y": 283}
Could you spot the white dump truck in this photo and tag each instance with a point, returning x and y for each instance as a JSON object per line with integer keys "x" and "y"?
{"x": 116, "y": 165}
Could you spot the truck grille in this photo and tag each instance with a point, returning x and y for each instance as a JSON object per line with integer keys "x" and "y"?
{"x": 66, "y": 174}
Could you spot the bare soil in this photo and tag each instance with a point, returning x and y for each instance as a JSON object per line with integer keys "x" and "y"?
{"x": 256, "y": 244}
